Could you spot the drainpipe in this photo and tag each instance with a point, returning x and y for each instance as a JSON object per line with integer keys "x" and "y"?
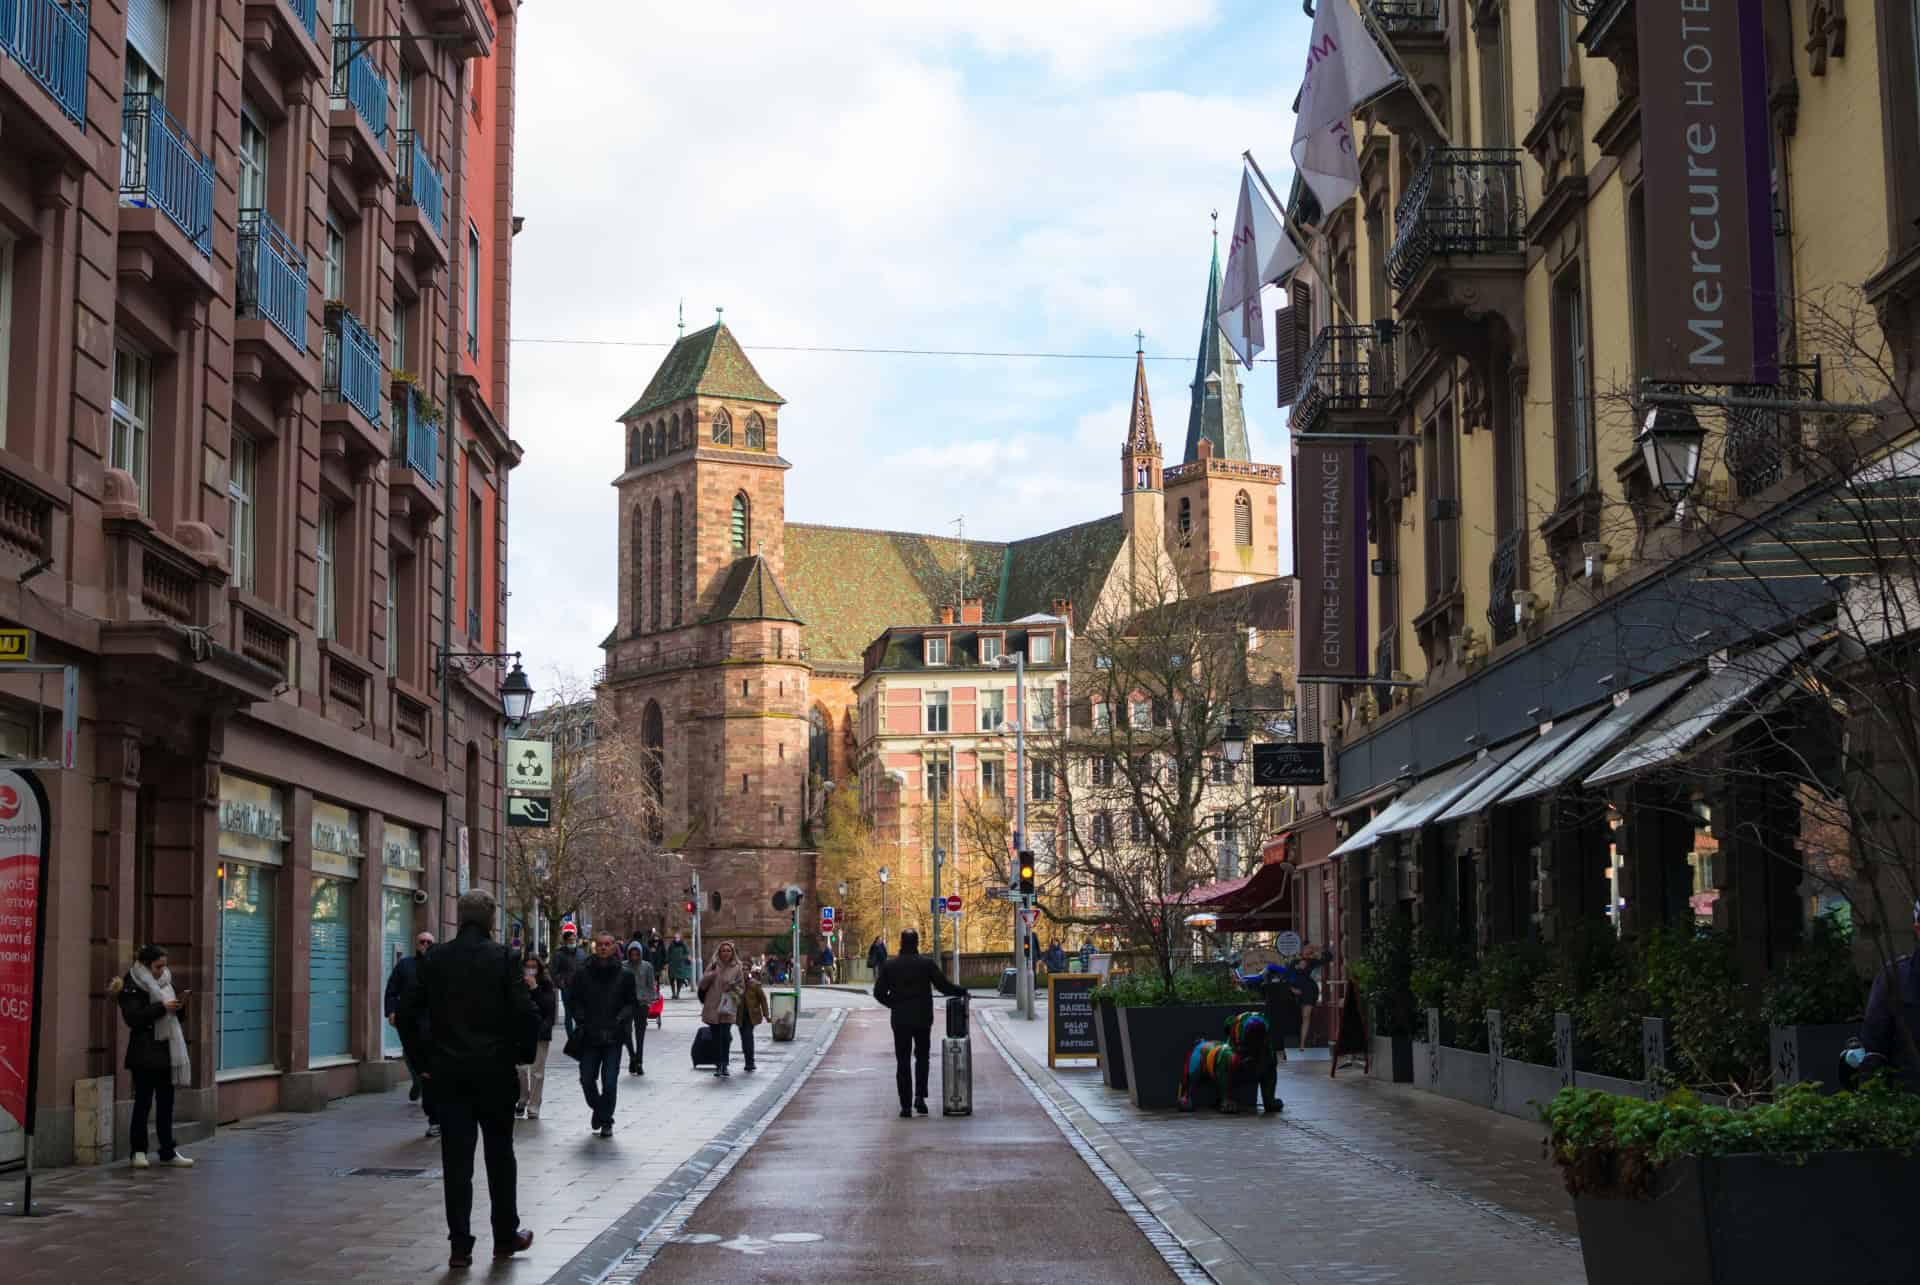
{"x": 448, "y": 418}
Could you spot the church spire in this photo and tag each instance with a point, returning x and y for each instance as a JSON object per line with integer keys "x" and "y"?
{"x": 1216, "y": 414}
{"x": 1140, "y": 453}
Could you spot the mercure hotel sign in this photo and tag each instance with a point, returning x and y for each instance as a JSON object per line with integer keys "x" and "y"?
{"x": 1709, "y": 226}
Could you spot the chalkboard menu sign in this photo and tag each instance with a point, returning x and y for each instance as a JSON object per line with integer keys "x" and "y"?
{"x": 1070, "y": 1016}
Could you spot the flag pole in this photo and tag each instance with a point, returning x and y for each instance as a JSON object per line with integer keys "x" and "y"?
{"x": 1310, "y": 237}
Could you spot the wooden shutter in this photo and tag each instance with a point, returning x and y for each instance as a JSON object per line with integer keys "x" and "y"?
{"x": 1293, "y": 336}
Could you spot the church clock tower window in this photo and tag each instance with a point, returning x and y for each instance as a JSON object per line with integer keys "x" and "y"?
{"x": 742, "y": 515}
{"x": 653, "y": 567}
{"x": 639, "y": 570}
{"x": 756, "y": 432}
{"x": 1186, "y": 520}
{"x": 679, "y": 561}
{"x": 722, "y": 430}
{"x": 1242, "y": 520}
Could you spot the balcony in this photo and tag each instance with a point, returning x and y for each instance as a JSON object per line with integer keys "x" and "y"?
{"x": 166, "y": 197}
{"x": 48, "y": 40}
{"x": 1503, "y": 578}
{"x": 1416, "y": 30}
{"x": 271, "y": 338}
{"x": 350, "y": 382}
{"x": 1384, "y": 663}
{"x": 1348, "y": 375}
{"x": 357, "y": 138}
{"x": 1459, "y": 244}
{"x": 414, "y": 478}
{"x": 1401, "y": 17}
{"x": 422, "y": 196}
{"x": 467, "y": 19}
{"x": 286, "y": 35}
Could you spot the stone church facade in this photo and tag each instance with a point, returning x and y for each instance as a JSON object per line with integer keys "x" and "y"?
{"x": 740, "y": 636}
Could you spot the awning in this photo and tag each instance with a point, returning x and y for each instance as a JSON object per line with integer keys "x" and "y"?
{"x": 1363, "y": 838}
{"x": 1252, "y": 904}
{"x": 1641, "y": 704}
{"x": 1428, "y": 799}
{"x": 1503, "y": 778}
{"x": 1724, "y": 692}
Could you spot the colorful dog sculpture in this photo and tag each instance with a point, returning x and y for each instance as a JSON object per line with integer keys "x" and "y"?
{"x": 1246, "y": 1053}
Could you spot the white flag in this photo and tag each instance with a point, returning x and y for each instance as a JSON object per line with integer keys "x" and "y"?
{"x": 1258, "y": 252}
{"x": 1344, "y": 69}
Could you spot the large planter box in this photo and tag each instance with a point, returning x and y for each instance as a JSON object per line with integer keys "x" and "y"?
{"x": 1829, "y": 1216}
{"x": 1392, "y": 1058}
{"x": 1610, "y": 1084}
{"x": 1810, "y": 1053}
{"x": 1106, "y": 1033}
{"x": 1525, "y": 1087}
{"x": 1155, "y": 1042}
{"x": 1464, "y": 1075}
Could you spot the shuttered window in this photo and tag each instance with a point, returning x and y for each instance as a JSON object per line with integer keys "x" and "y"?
{"x": 330, "y": 969}
{"x": 147, "y": 36}
{"x": 1242, "y": 521}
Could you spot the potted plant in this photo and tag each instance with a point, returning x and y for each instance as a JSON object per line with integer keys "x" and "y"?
{"x": 1384, "y": 974}
{"x": 1159, "y": 1027}
{"x": 1106, "y": 1031}
{"x": 1807, "y": 1187}
{"x": 1814, "y": 1006}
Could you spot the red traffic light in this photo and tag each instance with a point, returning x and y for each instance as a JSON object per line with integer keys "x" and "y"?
{"x": 689, "y": 907}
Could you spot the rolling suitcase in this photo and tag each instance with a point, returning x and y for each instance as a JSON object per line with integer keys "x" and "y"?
{"x": 956, "y": 1077}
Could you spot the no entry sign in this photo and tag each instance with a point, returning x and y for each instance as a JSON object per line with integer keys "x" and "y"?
{"x": 953, "y": 903}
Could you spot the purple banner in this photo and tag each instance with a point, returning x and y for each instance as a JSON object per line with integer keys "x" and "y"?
{"x": 1330, "y": 558}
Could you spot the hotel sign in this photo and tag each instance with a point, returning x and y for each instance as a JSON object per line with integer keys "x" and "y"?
{"x": 1330, "y": 558}
{"x": 1709, "y": 224}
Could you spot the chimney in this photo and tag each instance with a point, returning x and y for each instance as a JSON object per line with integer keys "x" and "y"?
{"x": 1206, "y": 449}
{"x": 1063, "y": 608}
{"x": 946, "y": 615}
{"x": 970, "y": 609}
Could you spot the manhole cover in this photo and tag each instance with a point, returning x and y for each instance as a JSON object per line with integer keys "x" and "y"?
{"x": 375, "y": 1171}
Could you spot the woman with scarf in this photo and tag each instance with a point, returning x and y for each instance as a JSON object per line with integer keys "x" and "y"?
{"x": 722, "y": 990}
{"x": 156, "y": 1051}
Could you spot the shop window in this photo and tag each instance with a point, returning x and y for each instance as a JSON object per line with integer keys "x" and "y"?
{"x": 132, "y": 418}
{"x": 330, "y": 969}
{"x": 396, "y": 943}
{"x": 246, "y": 965}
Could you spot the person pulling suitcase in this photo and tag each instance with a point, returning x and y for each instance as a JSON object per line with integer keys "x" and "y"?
{"x": 906, "y": 986}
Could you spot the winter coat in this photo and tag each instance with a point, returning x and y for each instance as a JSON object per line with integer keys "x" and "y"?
{"x": 645, "y": 987}
{"x": 876, "y": 956}
{"x": 680, "y": 962}
{"x": 1897, "y": 985}
{"x": 718, "y": 982}
{"x": 602, "y": 1001}
{"x": 470, "y": 1018}
{"x": 546, "y": 1007}
{"x": 403, "y": 976}
{"x": 753, "y": 1004}
{"x": 146, "y": 1053}
{"x": 907, "y": 984}
{"x": 656, "y": 954}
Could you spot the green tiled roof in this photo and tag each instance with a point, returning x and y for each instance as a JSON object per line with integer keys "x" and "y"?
{"x": 707, "y": 363}
{"x": 751, "y": 592}
{"x": 1217, "y": 419}
{"x": 1072, "y": 563}
{"x": 851, "y": 584}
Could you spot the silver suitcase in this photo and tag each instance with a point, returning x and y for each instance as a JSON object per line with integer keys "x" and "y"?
{"x": 956, "y": 1077}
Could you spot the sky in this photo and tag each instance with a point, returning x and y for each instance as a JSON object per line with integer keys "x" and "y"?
{"x": 1008, "y": 175}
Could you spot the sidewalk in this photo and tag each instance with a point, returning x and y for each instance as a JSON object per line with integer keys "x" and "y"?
{"x": 1357, "y": 1181}
{"x": 290, "y": 1197}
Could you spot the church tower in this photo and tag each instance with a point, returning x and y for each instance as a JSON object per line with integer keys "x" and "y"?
{"x": 1222, "y": 509}
{"x": 1142, "y": 504}
{"x": 704, "y": 665}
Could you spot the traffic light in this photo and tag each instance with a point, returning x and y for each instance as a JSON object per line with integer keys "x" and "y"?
{"x": 690, "y": 907}
{"x": 788, "y": 898}
{"x": 1026, "y": 874}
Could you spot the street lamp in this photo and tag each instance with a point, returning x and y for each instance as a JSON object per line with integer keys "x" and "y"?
{"x": 885, "y": 874}
{"x": 1233, "y": 741}
{"x": 516, "y": 693}
{"x": 1670, "y": 440}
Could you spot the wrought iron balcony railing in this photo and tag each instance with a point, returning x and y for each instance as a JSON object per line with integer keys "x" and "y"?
{"x": 273, "y": 277}
{"x": 48, "y": 38}
{"x": 416, "y": 438}
{"x": 355, "y": 81}
{"x": 1503, "y": 577}
{"x": 1397, "y": 16}
{"x": 161, "y": 168}
{"x": 352, "y": 365}
{"x": 420, "y": 183}
{"x": 1348, "y": 368}
{"x": 1461, "y": 201}
{"x": 1384, "y": 661}
{"x": 308, "y": 13}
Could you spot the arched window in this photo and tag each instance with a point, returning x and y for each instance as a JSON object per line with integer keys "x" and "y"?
{"x": 653, "y": 567}
{"x": 653, "y": 741}
{"x": 742, "y": 522}
{"x": 756, "y": 432}
{"x": 819, "y": 733}
{"x": 673, "y": 433}
{"x": 722, "y": 430}
{"x": 1186, "y": 521}
{"x": 679, "y": 561}
{"x": 646, "y": 443}
{"x": 633, "y": 447}
{"x": 1242, "y": 520}
{"x": 640, "y": 565}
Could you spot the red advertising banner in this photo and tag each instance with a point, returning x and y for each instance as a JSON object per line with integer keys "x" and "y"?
{"x": 1330, "y": 558}
{"x": 23, "y": 903}
{"x": 1711, "y": 318}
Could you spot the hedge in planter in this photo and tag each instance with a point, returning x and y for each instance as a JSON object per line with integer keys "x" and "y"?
{"x": 1158, "y": 1027}
{"x": 1804, "y": 1188}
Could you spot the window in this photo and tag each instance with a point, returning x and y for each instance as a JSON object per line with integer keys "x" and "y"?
{"x": 132, "y": 417}
{"x": 1242, "y": 521}
{"x": 993, "y": 710}
{"x": 1101, "y": 770}
{"x": 989, "y": 649}
{"x": 993, "y": 778}
{"x": 639, "y": 606}
{"x": 473, "y": 291}
{"x": 1102, "y": 715}
{"x": 1223, "y": 770}
{"x": 1186, "y": 521}
{"x": 253, "y": 163}
{"x": 476, "y": 565}
{"x": 393, "y": 614}
{"x": 6, "y": 330}
{"x": 335, "y": 276}
{"x": 1140, "y": 770}
{"x": 673, "y": 432}
{"x": 756, "y": 432}
{"x": 679, "y": 560}
{"x": 1103, "y": 829}
{"x": 936, "y": 712}
{"x": 325, "y": 556}
{"x": 1039, "y": 710}
{"x": 1040, "y": 649}
{"x": 1140, "y": 714}
{"x": 742, "y": 523}
{"x": 402, "y": 332}
{"x": 1556, "y": 47}
{"x": 936, "y": 651}
{"x": 1137, "y": 826}
{"x": 939, "y": 779}
{"x": 1496, "y": 106}
{"x": 1572, "y": 406}
{"x": 403, "y": 98}
{"x": 722, "y": 429}
{"x": 653, "y": 567}
{"x": 242, "y": 471}
{"x": 1443, "y": 500}
{"x": 1040, "y": 784}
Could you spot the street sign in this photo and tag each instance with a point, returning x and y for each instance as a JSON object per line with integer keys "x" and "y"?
{"x": 953, "y": 903}
{"x": 525, "y": 811}
{"x": 16, "y": 644}
{"x": 1288, "y": 944}
{"x": 826, "y": 914}
{"x": 999, "y": 892}
{"x": 1030, "y": 917}
{"x": 530, "y": 765}
{"x": 1304, "y": 763}
{"x": 938, "y": 904}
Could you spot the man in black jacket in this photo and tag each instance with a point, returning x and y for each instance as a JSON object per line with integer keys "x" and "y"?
{"x": 469, "y": 1021}
{"x": 566, "y": 962}
{"x": 399, "y": 982}
{"x": 600, "y": 1002}
{"x": 1893, "y": 1012}
{"x": 906, "y": 985}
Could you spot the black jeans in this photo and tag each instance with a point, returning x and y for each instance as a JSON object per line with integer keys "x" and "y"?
{"x": 912, "y": 1040}
{"x": 600, "y": 1080}
{"x": 153, "y": 1090}
{"x": 464, "y": 1121}
{"x": 746, "y": 1043}
{"x": 636, "y": 1034}
{"x": 723, "y": 1042}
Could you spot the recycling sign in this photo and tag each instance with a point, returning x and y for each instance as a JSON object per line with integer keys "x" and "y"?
{"x": 529, "y": 766}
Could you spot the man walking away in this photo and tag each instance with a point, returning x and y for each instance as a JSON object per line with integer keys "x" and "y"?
{"x": 471, "y": 1020}
{"x": 404, "y": 977}
{"x": 600, "y": 1001}
{"x": 906, "y": 985}
{"x": 679, "y": 964}
{"x": 876, "y": 956}
{"x": 644, "y": 990}
{"x": 565, "y": 963}
{"x": 826, "y": 964}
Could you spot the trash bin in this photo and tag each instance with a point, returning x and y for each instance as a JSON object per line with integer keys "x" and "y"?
{"x": 1010, "y": 981}
{"x": 784, "y": 1008}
